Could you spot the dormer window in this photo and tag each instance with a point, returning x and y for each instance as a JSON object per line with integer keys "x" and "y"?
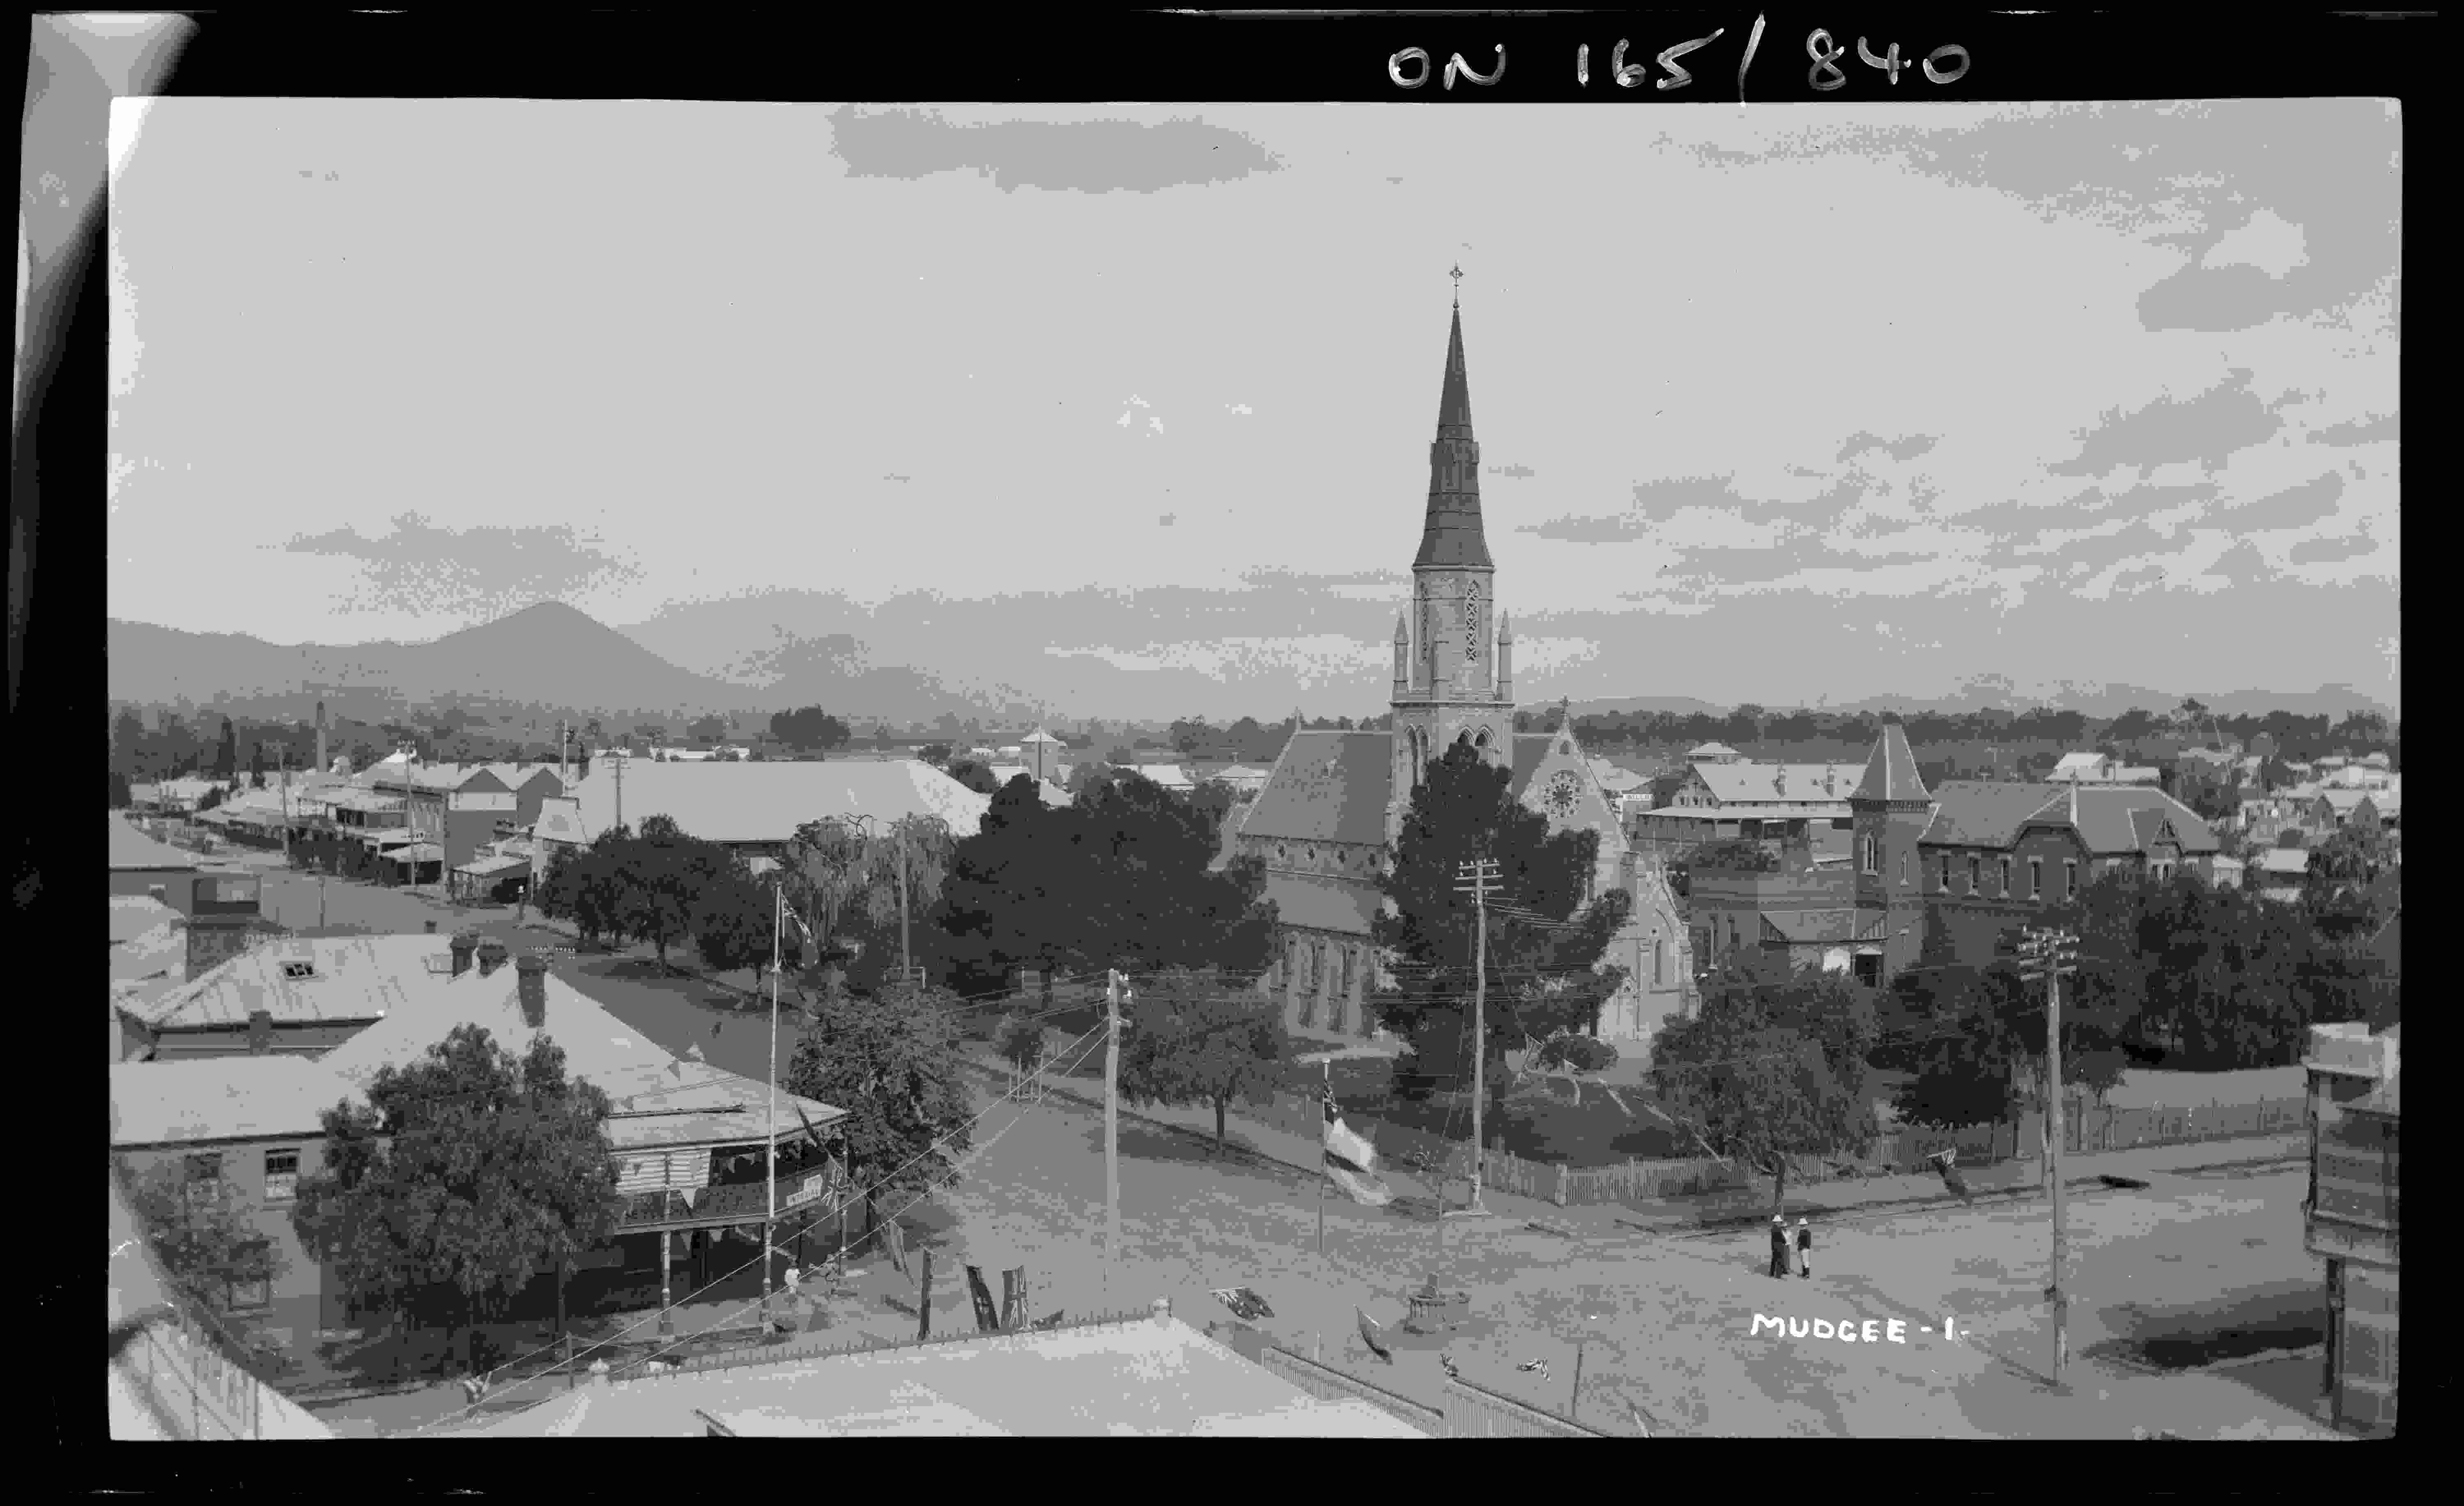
{"x": 296, "y": 970}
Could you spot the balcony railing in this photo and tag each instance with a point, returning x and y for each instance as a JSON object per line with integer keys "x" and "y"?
{"x": 745, "y": 1203}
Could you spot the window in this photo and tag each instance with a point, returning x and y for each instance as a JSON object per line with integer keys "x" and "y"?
{"x": 2070, "y": 877}
{"x": 2036, "y": 879}
{"x": 2005, "y": 878}
{"x": 1945, "y": 873}
{"x": 1873, "y": 864}
{"x": 258, "y": 1292}
{"x": 299, "y": 969}
{"x": 1976, "y": 874}
{"x": 1659, "y": 962}
{"x": 281, "y": 1176}
{"x": 1903, "y": 867}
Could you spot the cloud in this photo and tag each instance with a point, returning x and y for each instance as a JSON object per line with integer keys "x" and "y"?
{"x": 430, "y": 570}
{"x": 1518, "y": 472}
{"x": 1654, "y": 503}
{"x": 2331, "y": 551}
{"x": 2294, "y": 507}
{"x": 2359, "y": 430}
{"x": 1089, "y": 156}
{"x": 2205, "y": 429}
{"x": 2269, "y": 243}
{"x": 1313, "y": 659}
{"x": 1237, "y": 407}
{"x": 1903, "y": 449}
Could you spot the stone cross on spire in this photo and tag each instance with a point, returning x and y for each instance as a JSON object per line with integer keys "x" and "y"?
{"x": 1458, "y": 274}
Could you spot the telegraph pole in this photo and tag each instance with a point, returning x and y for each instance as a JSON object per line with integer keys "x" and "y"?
{"x": 1116, "y": 989}
{"x": 1477, "y": 878}
{"x": 2051, "y": 955}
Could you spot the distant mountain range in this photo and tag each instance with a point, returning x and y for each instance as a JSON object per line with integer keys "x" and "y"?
{"x": 554, "y": 658}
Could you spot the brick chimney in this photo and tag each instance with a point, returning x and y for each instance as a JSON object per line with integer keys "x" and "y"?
{"x": 260, "y": 1032}
{"x": 431, "y": 927}
{"x": 492, "y": 956}
{"x": 462, "y": 945}
{"x": 530, "y": 970}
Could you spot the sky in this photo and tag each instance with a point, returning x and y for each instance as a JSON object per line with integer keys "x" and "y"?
{"x": 1134, "y": 406}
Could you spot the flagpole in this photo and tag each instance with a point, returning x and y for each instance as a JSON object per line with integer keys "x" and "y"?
{"x": 769, "y": 1227}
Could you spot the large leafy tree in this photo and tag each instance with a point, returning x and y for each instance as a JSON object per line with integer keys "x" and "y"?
{"x": 1545, "y": 939}
{"x": 458, "y": 1179}
{"x": 734, "y": 922}
{"x": 659, "y": 874}
{"x": 1198, "y": 1038}
{"x": 891, "y": 1061}
{"x": 872, "y": 882}
{"x": 808, "y": 728}
{"x": 1775, "y": 1063}
{"x": 201, "y": 1233}
{"x": 1119, "y": 878}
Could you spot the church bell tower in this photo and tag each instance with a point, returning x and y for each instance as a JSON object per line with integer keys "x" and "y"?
{"x": 1450, "y": 683}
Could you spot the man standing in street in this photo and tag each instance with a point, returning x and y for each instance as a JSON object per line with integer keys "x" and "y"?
{"x": 1779, "y": 1246}
{"x": 1804, "y": 1248}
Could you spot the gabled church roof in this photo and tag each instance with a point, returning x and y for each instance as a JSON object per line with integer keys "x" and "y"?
{"x": 1328, "y": 787}
{"x": 1891, "y": 773}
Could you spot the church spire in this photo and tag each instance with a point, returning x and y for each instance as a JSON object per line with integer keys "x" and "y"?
{"x": 1452, "y": 533}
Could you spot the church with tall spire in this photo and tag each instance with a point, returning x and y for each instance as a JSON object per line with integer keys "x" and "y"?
{"x": 1327, "y": 822}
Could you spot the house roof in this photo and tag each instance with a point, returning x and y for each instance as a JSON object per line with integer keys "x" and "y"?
{"x": 2106, "y": 822}
{"x": 353, "y": 978}
{"x": 1973, "y": 812}
{"x": 1776, "y": 811}
{"x": 1801, "y": 927}
{"x": 1891, "y": 772}
{"x": 1134, "y": 1378}
{"x": 2345, "y": 800}
{"x": 1328, "y": 787}
{"x": 1322, "y": 904}
{"x": 2082, "y": 763}
{"x": 222, "y": 1097}
{"x": 1172, "y": 776}
{"x": 131, "y": 848}
{"x": 133, "y": 916}
{"x": 492, "y": 863}
{"x": 1714, "y": 751}
{"x": 416, "y": 852}
{"x": 1053, "y": 794}
{"x": 597, "y": 1045}
{"x": 2286, "y": 860}
{"x": 1531, "y": 749}
{"x": 1748, "y": 784}
{"x": 766, "y": 802}
{"x": 688, "y": 1102}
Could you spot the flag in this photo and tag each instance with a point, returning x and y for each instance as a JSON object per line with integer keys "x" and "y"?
{"x": 1350, "y": 1160}
{"x": 1245, "y": 1303}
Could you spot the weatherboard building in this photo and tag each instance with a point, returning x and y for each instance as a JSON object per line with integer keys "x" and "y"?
{"x": 1326, "y": 824}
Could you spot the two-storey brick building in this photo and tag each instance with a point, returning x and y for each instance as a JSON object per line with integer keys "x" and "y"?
{"x": 2352, "y": 1214}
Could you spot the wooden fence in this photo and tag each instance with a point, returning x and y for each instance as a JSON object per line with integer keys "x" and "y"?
{"x": 1329, "y": 1384}
{"x": 1474, "y": 1412}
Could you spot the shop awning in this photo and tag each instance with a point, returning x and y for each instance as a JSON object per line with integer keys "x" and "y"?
{"x": 416, "y": 852}
{"x": 482, "y": 868}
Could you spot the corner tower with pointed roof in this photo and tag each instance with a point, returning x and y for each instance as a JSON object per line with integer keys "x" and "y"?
{"x": 1449, "y": 683}
{"x": 1892, "y": 809}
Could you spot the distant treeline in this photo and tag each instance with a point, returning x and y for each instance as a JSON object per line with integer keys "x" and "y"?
{"x": 1755, "y": 732}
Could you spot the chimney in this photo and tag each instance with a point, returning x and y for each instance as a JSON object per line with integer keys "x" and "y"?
{"x": 431, "y": 927}
{"x": 531, "y": 972}
{"x": 492, "y": 956}
{"x": 599, "y": 1372}
{"x": 260, "y": 1032}
{"x": 1162, "y": 1310}
{"x": 462, "y": 945}
{"x": 321, "y": 765}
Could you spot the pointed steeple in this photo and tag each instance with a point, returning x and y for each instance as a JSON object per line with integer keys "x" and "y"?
{"x": 1452, "y": 533}
{"x": 1891, "y": 773}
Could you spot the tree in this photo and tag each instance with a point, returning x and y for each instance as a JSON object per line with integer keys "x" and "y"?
{"x": 841, "y": 871}
{"x": 657, "y": 876}
{"x": 1023, "y": 1043}
{"x": 227, "y": 760}
{"x": 974, "y": 775}
{"x": 201, "y": 1232}
{"x": 1774, "y": 1064}
{"x": 1121, "y": 756}
{"x": 209, "y": 799}
{"x": 1120, "y": 878}
{"x": 808, "y": 729}
{"x": 1965, "y": 1054}
{"x": 707, "y": 729}
{"x": 1194, "y": 1037}
{"x": 461, "y": 1177}
{"x": 1190, "y": 734}
{"x": 934, "y": 753}
{"x": 1732, "y": 856}
{"x": 735, "y": 922}
{"x": 1545, "y": 974}
{"x": 891, "y": 1061}
{"x": 120, "y": 798}
{"x": 1523, "y": 721}
{"x": 256, "y": 766}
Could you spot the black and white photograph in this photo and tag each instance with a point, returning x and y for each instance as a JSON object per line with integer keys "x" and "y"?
{"x": 1681, "y": 752}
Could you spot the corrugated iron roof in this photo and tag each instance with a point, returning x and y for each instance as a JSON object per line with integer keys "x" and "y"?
{"x": 223, "y": 1097}
{"x": 2106, "y": 822}
{"x": 766, "y": 802}
{"x": 695, "y": 1103}
{"x": 1978, "y": 812}
{"x": 133, "y": 916}
{"x": 1744, "y": 784}
{"x": 596, "y": 1043}
{"x": 350, "y": 977}
{"x": 132, "y": 849}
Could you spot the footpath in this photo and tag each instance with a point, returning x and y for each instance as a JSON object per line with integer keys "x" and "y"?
{"x": 2003, "y": 1180}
